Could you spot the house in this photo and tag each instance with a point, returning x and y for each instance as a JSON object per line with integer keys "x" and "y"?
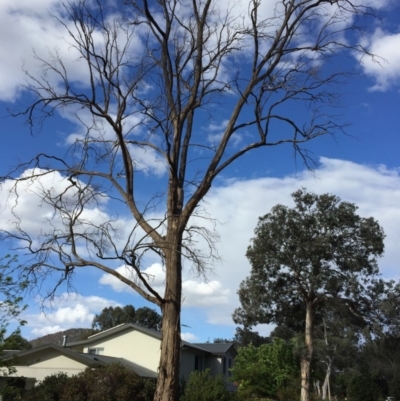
{"x": 131, "y": 345}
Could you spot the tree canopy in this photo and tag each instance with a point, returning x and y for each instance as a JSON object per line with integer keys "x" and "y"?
{"x": 310, "y": 259}
{"x": 111, "y": 317}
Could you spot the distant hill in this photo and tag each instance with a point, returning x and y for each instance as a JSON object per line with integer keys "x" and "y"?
{"x": 57, "y": 338}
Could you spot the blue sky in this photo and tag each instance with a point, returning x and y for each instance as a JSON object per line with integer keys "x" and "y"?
{"x": 361, "y": 167}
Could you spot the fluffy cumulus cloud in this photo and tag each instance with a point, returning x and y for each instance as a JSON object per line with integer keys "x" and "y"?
{"x": 68, "y": 310}
{"x": 26, "y": 25}
{"x": 385, "y": 68}
{"x": 34, "y": 26}
{"x": 196, "y": 293}
{"x": 28, "y": 204}
{"x": 190, "y": 337}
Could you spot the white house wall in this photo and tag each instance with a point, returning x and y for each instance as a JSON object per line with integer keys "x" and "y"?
{"x": 50, "y": 364}
{"x": 133, "y": 345}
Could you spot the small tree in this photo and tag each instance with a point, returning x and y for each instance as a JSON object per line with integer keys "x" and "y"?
{"x": 264, "y": 370}
{"x": 11, "y": 290}
{"x": 309, "y": 258}
{"x": 201, "y": 386}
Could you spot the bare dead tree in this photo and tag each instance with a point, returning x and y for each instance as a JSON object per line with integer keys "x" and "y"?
{"x": 155, "y": 72}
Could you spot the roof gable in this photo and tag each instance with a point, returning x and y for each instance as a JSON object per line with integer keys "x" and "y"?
{"x": 216, "y": 348}
{"x": 125, "y": 327}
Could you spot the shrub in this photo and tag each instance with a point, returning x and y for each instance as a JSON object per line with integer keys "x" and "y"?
{"x": 201, "y": 386}
{"x": 50, "y": 389}
{"x": 13, "y": 389}
{"x": 363, "y": 388}
{"x": 97, "y": 383}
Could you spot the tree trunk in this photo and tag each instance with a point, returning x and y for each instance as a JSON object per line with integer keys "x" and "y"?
{"x": 307, "y": 357}
{"x": 326, "y": 391}
{"x": 168, "y": 370}
{"x": 317, "y": 388}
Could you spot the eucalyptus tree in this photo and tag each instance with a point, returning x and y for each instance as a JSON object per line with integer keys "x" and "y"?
{"x": 110, "y": 317}
{"x": 152, "y": 77}
{"x": 308, "y": 260}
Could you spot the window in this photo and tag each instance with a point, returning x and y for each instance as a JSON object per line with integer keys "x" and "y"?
{"x": 96, "y": 351}
{"x": 224, "y": 365}
{"x": 198, "y": 362}
{"x": 229, "y": 366}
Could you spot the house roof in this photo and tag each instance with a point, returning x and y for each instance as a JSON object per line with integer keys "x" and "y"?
{"x": 115, "y": 330}
{"x": 153, "y": 333}
{"x": 215, "y": 348}
{"x": 86, "y": 359}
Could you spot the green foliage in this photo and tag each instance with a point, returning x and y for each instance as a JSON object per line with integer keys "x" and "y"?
{"x": 13, "y": 389}
{"x": 50, "y": 389}
{"x": 201, "y": 386}
{"x": 394, "y": 386}
{"x": 244, "y": 336}
{"x": 264, "y": 370}
{"x": 111, "y": 317}
{"x": 16, "y": 342}
{"x": 97, "y": 383}
{"x": 11, "y": 288}
{"x": 364, "y": 388}
{"x": 320, "y": 250}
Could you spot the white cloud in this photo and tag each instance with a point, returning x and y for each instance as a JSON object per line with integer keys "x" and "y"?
{"x": 68, "y": 310}
{"x": 155, "y": 275}
{"x": 29, "y": 203}
{"x": 195, "y": 293}
{"x": 189, "y": 337}
{"x": 202, "y": 294}
{"x": 43, "y": 331}
{"x": 30, "y": 26}
{"x": 385, "y": 69}
{"x": 36, "y": 27}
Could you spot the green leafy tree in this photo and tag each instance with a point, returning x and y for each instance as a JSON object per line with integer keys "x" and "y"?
{"x": 264, "y": 370}
{"x": 244, "y": 336}
{"x": 11, "y": 289}
{"x": 148, "y": 317}
{"x": 16, "y": 342}
{"x": 111, "y": 317}
{"x": 156, "y": 74}
{"x": 201, "y": 386}
{"x": 316, "y": 255}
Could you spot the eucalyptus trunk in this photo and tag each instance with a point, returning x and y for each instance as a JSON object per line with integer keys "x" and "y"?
{"x": 307, "y": 356}
{"x": 168, "y": 370}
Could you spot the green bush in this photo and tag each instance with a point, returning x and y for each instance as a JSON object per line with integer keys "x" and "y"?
{"x": 13, "y": 389}
{"x": 97, "y": 383}
{"x": 201, "y": 386}
{"x": 263, "y": 371}
{"x": 50, "y": 389}
{"x": 363, "y": 388}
